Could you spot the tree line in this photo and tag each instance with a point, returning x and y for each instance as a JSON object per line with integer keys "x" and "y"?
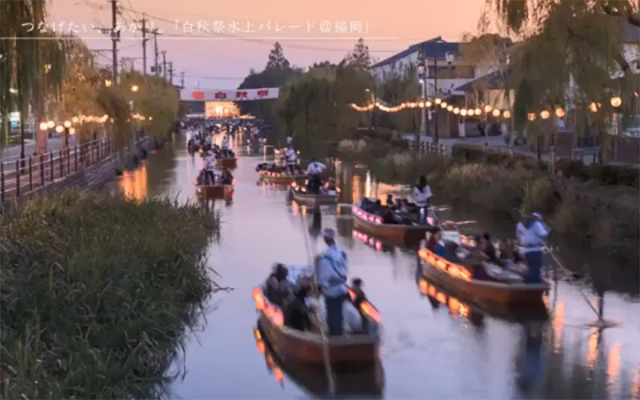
{"x": 550, "y": 54}
{"x": 57, "y": 77}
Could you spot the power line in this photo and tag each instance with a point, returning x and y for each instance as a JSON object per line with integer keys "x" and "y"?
{"x": 260, "y": 41}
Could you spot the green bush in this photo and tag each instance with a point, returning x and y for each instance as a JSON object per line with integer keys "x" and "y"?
{"x": 499, "y": 158}
{"x": 96, "y": 293}
{"x": 468, "y": 152}
{"x": 628, "y": 175}
{"x": 572, "y": 169}
{"x": 614, "y": 175}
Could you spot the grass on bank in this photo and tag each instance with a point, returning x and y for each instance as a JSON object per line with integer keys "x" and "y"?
{"x": 96, "y": 292}
{"x": 578, "y": 210}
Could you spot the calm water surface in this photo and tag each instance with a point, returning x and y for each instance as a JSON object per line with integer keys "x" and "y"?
{"x": 434, "y": 346}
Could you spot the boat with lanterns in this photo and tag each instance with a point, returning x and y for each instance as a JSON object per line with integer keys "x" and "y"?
{"x": 280, "y": 178}
{"x": 397, "y": 234}
{"x": 229, "y": 162}
{"x": 508, "y": 289}
{"x": 215, "y": 191}
{"x": 367, "y": 380}
{"x": 308, "y": 347}
{"x": 303, "y": 197}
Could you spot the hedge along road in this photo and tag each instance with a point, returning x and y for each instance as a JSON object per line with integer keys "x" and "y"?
{"x": 430, "y": 349}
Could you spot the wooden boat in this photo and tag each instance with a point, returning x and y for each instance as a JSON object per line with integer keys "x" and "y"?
{"x": 292, "y": 345}
{"x": 365, "y": 381}
{"x": 308, "y": 199}
{"x": 394, "y": 233}
{"x": 280, "y": 178}
{"x": 458, "y": 280}
{"x": 474, "y": 311}
{"x": 193, "y": 148}
{"x": 227, "y": 162}
{"x": 215, "y": 191}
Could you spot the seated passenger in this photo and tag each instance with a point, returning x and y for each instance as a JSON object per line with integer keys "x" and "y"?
{"x": 356, "y": 286}
{"x": 478, "y": 272}
{"x": 278, "y": 286}
{"x": 434, "y": 243}
{"x": 296, "y": 312}
{"x": 227, "y": 178}
{"x": 390, "y": 200}
{"x": 488, "y": 249}
{"x": 451, "y": 252}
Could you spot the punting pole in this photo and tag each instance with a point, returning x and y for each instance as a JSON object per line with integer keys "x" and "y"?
{"x": 323, "y": 336}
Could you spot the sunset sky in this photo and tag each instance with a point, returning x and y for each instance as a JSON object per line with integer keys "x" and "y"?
{"x": 242, "y": 32}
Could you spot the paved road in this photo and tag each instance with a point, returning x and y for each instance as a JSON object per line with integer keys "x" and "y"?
{"x": 54, "y": 144}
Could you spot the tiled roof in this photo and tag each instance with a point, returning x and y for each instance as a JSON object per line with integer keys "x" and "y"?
{"x": 492, "y": 80}
{"x": 435, "y": 47}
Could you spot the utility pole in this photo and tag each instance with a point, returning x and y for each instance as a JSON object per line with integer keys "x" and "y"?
{"x": 155, "y": 49}
{"x": 182, "y": 80}
{"x": 171, "y": 72}
{"x": 115, "y": 36}
{"x": 164, "y": 64}
{"x": 144, "y": 44}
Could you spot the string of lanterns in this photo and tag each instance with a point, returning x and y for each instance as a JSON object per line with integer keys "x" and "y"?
{"x": 506, "y": 114}
{"x": 559, "y": 112}
{"x": 68, "y": 124}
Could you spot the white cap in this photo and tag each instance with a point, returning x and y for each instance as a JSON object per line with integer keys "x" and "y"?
{"x": 329, "y": 233}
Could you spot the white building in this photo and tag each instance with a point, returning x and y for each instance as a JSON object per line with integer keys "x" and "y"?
{"x": 440, "y": 74}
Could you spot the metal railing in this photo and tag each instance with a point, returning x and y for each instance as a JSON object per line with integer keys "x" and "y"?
{"x": 429, "y": 148}
{"x": 21, "y": 176}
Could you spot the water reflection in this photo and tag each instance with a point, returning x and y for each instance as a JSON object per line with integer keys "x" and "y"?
{"x": 363, "y": 381}
{"x": 436, "y": 345}
{"x": 134, "y": 184}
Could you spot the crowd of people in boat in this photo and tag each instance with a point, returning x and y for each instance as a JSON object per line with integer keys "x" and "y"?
{"x": 212, "y": 175}
{"x": 295, "y": 295}
{"x": 511, "y": 262}
{"x": 402, "y": 211}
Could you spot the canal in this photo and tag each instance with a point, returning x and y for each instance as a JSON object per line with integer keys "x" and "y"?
{"x": 434, "y": 346}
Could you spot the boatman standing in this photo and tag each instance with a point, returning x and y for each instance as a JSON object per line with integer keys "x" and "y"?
{"x": 225, "y": 143}
{"x": 531, "y": 234}
{"x": 315, "y": 171}
{"x": 331, "y": 273}
{"x": 292, "y": 157}
{"x": 210, "y": 169}
{"x": 422, "y": 198}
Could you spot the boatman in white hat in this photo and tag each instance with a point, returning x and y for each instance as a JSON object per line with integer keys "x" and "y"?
{"x": 331, "y": 273}
{"x": 291, "y": 157}
{"x": 531, "y": 234}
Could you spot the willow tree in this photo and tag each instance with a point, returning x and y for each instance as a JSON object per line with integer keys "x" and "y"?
{"x": 569, "y": 53}
{"x": 399, "y": 85}
{"x": 31, "y": 63}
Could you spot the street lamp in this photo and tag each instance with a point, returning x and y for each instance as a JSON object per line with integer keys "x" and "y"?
{"x": 51, "y": 124}
{"x": 496, "y": 113}
{"x": 75, "y": 120}
{"x": 545, "y": 114}
{"x": 134, "y": 88}
{"x": 108, "y": 83}
{"x": 59, "y": 129}
{"x": 43, "y": 126}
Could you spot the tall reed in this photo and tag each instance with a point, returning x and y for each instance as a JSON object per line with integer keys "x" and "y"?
{"x": 96, "y": 292}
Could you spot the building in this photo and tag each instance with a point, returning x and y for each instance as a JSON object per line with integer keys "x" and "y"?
{"x": 446, "y": 71}
{"x": 449, "y": 76}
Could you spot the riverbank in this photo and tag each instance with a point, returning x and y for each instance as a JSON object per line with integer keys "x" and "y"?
{"x": 97, "y": 292}
{"x": 603, "y": 218}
